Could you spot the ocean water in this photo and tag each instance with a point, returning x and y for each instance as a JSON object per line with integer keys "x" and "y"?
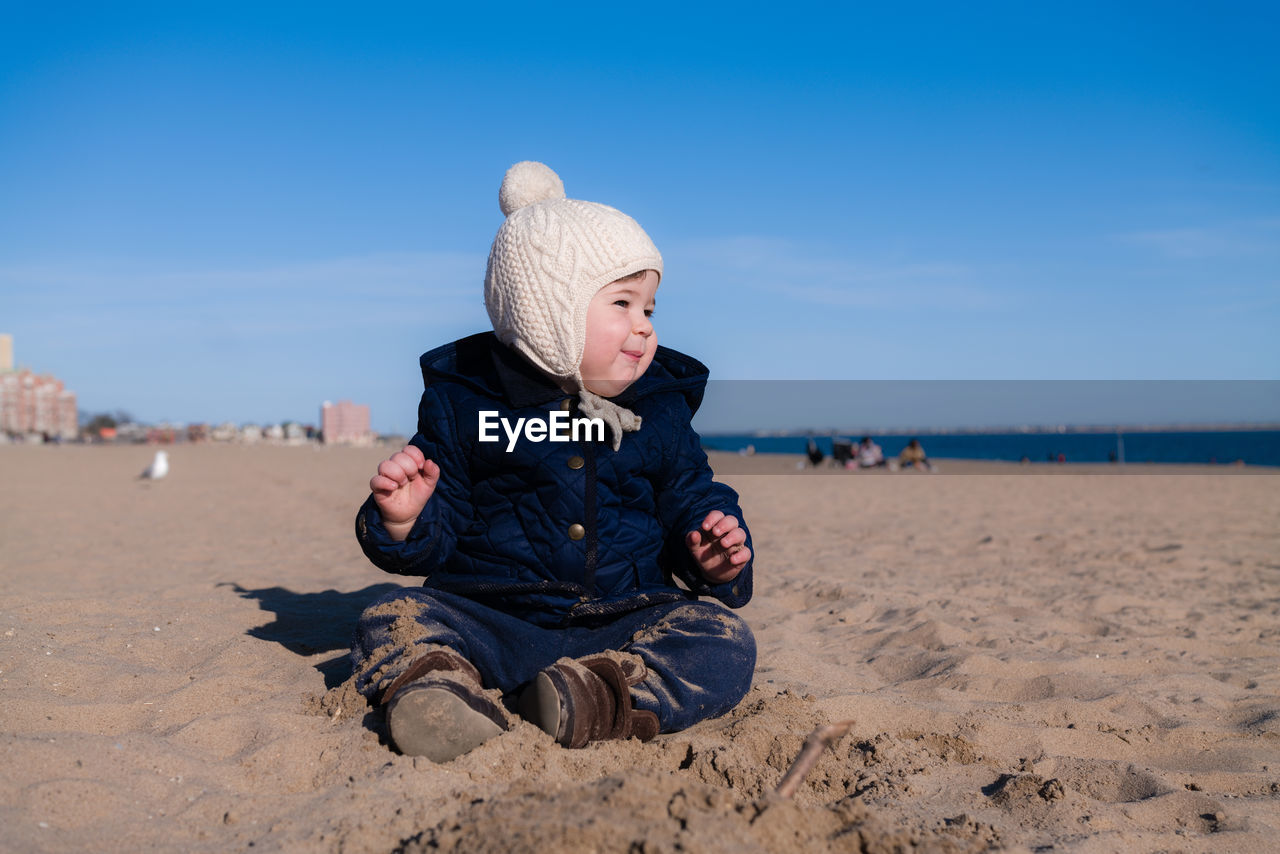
{"x": 1254, "y": 447}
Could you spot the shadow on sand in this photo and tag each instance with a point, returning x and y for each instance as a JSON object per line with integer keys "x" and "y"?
{"x": 311, "y": 623}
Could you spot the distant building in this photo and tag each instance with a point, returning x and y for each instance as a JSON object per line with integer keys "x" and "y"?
{"x": 34, "y": 403}
{"x": 164, "y": 433}
{"x": 224, "y": 432}
{"x": 31, "y": 403}
{"x": 345, "y": 423}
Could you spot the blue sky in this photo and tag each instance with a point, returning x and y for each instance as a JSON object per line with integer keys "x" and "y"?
{"x": 235, "y": 211}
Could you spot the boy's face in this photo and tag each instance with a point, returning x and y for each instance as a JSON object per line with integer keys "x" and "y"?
{"x": 620, "y": 337}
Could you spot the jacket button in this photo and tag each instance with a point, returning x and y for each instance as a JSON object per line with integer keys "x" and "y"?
{"x": 576, "y": 462}
{"x": 566, "y": 404}
{"x": 576, "y": 531}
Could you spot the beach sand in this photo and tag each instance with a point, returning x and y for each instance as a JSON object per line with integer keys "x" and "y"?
{"x": 1033, "y": 657}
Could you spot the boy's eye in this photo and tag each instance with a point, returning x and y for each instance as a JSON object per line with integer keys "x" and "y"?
{"x": 621, "y": 302}
{"x": 648, "y": 312}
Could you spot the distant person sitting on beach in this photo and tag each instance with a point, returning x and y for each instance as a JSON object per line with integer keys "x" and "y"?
{"x": 869, "y": 454}
{"x": 913, "y": 455}
{"x": 841, "y": 452}
{"x": 549, "y": 550}
{"x": 814, "y": 453}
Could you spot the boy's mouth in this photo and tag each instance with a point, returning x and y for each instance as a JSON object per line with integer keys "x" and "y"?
{"x": 634, "y": 355}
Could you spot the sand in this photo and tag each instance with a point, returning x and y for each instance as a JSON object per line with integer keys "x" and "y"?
{"x": 1045, "y": 658}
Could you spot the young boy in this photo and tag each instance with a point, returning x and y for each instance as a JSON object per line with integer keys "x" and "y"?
{"x": 560, "y": 507}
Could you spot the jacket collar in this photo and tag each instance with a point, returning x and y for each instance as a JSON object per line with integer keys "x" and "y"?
{"x": 522, "y": 384}
{"x": 484, "y": 363}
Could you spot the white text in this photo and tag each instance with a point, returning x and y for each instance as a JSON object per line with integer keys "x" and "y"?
{"x": 558, "y": 428}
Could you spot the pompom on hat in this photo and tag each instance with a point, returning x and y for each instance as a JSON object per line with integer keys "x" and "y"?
{"x": 548, "y": 260}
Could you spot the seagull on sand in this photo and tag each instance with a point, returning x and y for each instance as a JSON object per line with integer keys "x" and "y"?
{"x": 159, "y": 467}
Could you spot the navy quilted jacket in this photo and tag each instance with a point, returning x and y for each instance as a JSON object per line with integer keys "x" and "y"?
{"x": 558, "y": 533}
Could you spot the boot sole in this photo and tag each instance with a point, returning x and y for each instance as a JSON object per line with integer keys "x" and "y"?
{"x": 437, "y": 724}
{"x": 540, "y": 705}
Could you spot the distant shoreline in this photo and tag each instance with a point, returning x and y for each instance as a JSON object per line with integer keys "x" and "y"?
{"x": 804, "y": 433}
{"x": 1210, "y": 447}
{"x": 730, "y": 463}
{"x": 722, "y": 461}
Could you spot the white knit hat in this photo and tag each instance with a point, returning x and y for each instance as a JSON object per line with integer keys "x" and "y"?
{"x": 549, "y": 259}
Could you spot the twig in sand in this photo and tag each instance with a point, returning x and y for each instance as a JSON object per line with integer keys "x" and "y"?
{"x": 819, "y": 740}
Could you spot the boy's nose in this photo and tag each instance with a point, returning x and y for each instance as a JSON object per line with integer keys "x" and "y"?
{"x": 644, "y": 327}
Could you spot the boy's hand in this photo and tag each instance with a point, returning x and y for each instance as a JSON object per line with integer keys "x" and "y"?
{"x": 718, "y": 547}
{"x": 401, "y": 488}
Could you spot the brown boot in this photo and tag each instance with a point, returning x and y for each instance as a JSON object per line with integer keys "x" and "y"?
{"x": 577, "y": 701}
{"x": 437, "y": 708}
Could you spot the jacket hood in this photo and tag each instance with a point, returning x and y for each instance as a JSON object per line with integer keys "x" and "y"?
{"x": 483, "y": 363}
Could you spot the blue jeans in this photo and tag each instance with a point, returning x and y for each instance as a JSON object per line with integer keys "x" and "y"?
{"x": 700, "y": 657}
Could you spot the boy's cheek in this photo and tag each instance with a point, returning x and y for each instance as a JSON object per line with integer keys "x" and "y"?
{"x": 650, "y": 351}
